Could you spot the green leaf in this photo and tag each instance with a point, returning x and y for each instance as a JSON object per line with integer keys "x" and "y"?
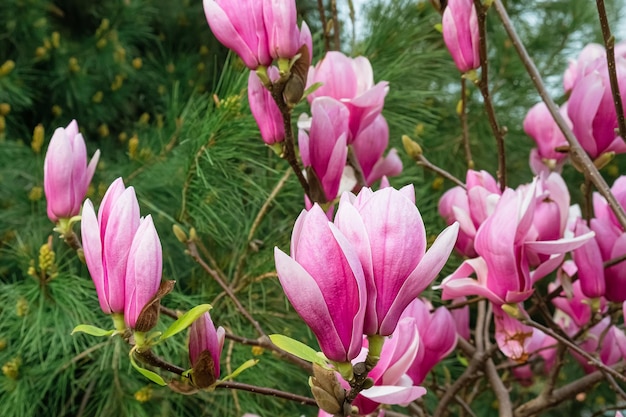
{"x": 92, "y": 330}
{"x": 462, "y": 360}
{"x": 247, "y": 364}
{"x": 296, "y": 348}
{"x": 185, "y": 320}
{"x": 152, "y": 376}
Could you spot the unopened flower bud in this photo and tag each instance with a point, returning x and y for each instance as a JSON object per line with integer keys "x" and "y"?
{"x": 412, "y": 148}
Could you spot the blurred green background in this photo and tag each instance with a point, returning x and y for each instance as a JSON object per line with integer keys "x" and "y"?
{"x": 167, "y": 106}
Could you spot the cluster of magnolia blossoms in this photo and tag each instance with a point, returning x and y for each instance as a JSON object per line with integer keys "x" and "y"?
{"x": 589, "y": 111}
{"x": 345, "y": 112}
{"x": 357, "y": 275}
{"x": 122, "y": 250}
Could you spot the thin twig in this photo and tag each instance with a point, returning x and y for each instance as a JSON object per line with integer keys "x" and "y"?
{"x": 609, "y": 43}
{"x": 257, "y": 221}
{"x": 266, "y": 343}
{"x": 578, "y": 155}
{"x": 422, "y": 161}
{"x": 505, "y": 407}
{"x": 483, "y": 86}
{"x": 267, "y": 391}
{"x": 193, "y": 252}
{"x": 336, "y": 27}
{"x": 566, "y": 341}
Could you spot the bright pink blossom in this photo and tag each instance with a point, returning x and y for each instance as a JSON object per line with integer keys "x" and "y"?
{"x": 204, "y": 337}
{"x": 388, "y": 233}
{"x": 122, "y": 251}
{"x": 323, "y": 279}
{"x": 592, "y": 111}
{"x": 581, "y": 66}
{"x": 461, "y": 35}
{"x": 324, "y": 148}
{"x": 66, "y": 173}
{"x": 239, "y": 26}
{"x": 369, "y": 147}
{"x": 437, "y": 337}
{"x": 350, "y": 80}
{"x": 264, "y": 108}
{"x": 541, "y": 127}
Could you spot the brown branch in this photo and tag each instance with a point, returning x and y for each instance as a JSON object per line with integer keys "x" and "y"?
{"x": 538, "y": 404}
{"x": 464, "y": 127}
{"x": 336, "y": 27}
{"x": 422, "y": 161}
{"x": 577, "y": 153}
{"x": 483, "y": 86}
{"x": 267, "y": 391}
{"x": 322, "y": 12}
{"x": 609, "y": 43}
{"x": 504, "y": 400}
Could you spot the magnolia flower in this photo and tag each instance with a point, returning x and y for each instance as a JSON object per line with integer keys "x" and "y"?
{"x": 264, "y": 108}
{"x": 592, "y": 111}
{"x": 461, "y": 35}
{"x": 368, "y": 148}
{"x": 122, "y": 251}
{"x": 541, "y": 127}
{"x": 350, "y": 80}
{"x": 323, "y": 148}
{"x": 205, "y": 349}
{"x": 388, "y": 234}
{"x": 437, "y": 337}
{"x": 66, "y": 173}
{"x": 323, "y": 279}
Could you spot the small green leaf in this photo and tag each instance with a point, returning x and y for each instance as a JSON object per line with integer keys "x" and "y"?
{"x": 296, "y": 348}
{"x": 152, "y": 376}
{"x": 247, "y": 364}
{"x": 185, "y": 321}
{"x": 462, "y": 360}
{"x": 92, "y": 330}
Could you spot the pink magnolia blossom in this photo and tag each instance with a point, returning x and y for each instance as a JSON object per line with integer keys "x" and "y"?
{"x": 507, "y": 248}
{"x": 581, "y": 66}
{"x": 107, "y": 242}
{"x": 388, "y": 233}
{"x": 323, "y": 279}
{"x": 324, "y": 148}
{"x": 461, "y": 35}
{"x": 350, "y": 80}
{"x": 264, "y": 108}
{"x": 239, "y": 26}
{"x": 541, "y": 127}
{"x": 592, "y": 111}
{"x": 66, "y": 173}
{"x": 204, "y": 337}
{"x": 437, "y": 337}
{"x": 602, "y": 340}
{"x": 122, "y": 251}
{"x": 279, "y": 17}
{"x": 369, "y": 146}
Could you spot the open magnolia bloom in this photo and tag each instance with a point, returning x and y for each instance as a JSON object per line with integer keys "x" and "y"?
{"x": 511, "y": 258}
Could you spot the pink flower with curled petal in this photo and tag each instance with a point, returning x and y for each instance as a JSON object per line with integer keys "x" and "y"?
{"x": 324, "y": 148}
{"x": 541, "y": 127}
{"x": 323, "y": 279}
{"x": 388, "y": 233}
{"x": 239, "y": 25}
{"x": 283, "y": 36}
{"x": 461, "y": 34}
{"x": 203, "y": 337}
{"x": 350, "y": 80}
{"x": 264, "y": 108}
{"x": 368, "y": 149}
{"x": 66, "y": 173}
{"x": 437, "y": 337}
{"x": 507, "y": 248}
{"x": 592, "y": 111}
{"x": 107, "y": 242}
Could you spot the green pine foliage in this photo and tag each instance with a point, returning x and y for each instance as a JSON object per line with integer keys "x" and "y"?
{"x": 152, "y": 89}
